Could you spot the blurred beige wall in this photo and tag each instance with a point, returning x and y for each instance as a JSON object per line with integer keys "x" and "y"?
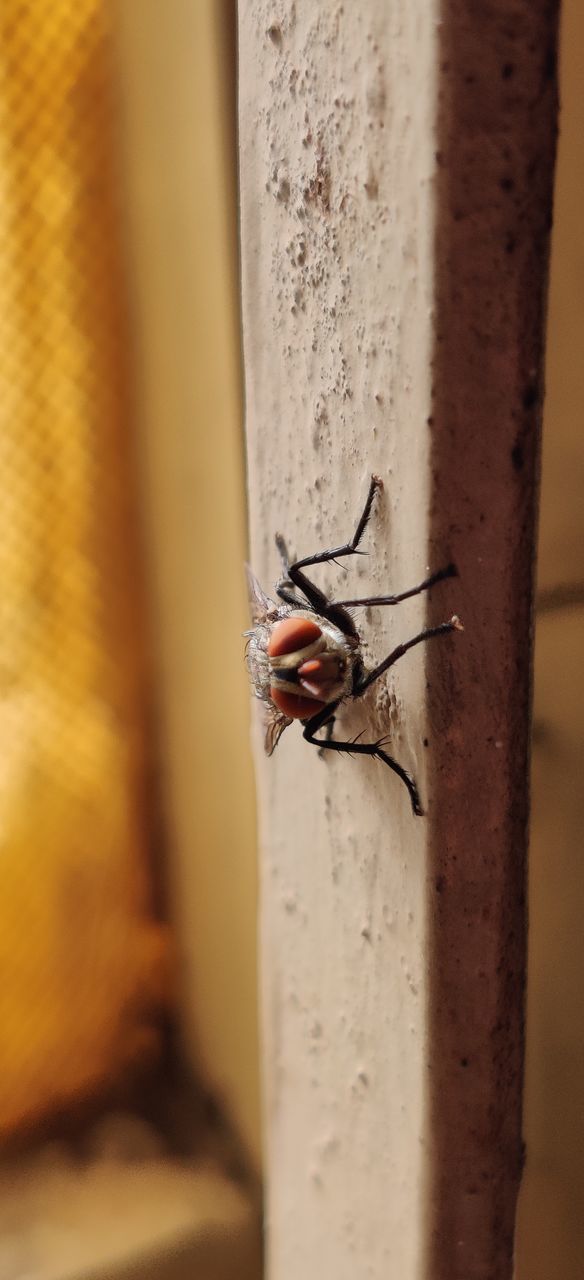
{"x": 551, "y": 1237}
{"x": 176, "y": 67}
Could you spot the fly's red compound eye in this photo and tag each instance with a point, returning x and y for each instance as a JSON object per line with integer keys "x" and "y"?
{"x": 291, "y": 635}
{"x": 294, "y": 705}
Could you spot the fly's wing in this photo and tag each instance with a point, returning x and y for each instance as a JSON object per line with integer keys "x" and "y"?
{"x": 274, "y": 724}
{"x": 260, "y": 605}
{"x": 263, "y": 610}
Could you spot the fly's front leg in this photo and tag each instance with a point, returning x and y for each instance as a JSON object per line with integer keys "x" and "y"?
{"x": 375, "y": 749}
{"x": 368, "y": 677}
{"x": 316, "y": 598}
{"x": 347, "y": 548}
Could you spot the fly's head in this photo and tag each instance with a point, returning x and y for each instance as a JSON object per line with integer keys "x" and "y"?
{"x": 309, "y": 663}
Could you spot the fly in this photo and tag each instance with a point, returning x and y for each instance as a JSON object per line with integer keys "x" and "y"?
{"x": 304, "y": 653}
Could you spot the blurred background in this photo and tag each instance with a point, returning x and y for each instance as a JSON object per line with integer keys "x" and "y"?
{"x": 551, "y": 1221}
{"x": 128, "y": 1037}
{"x": 128, "y": 1020}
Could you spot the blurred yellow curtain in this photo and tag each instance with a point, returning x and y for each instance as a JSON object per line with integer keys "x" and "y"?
{"x": 82, "y": 954}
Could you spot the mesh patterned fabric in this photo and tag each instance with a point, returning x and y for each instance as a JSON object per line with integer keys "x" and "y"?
{"x": 83, "y": 958}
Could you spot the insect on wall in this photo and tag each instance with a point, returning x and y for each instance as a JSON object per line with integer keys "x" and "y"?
{"x": 304, "y": 653}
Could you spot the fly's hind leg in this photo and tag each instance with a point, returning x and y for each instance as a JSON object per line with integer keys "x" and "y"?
{"x": 328, "y": 727}
{"x": 375, "y": 749}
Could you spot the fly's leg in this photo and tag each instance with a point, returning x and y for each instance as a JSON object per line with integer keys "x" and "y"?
{"x": 315, "y": 597}
{"x": 363, "y": 681}
{"x": 285, "y": 558}
{"x": 284, "y": 587}
{"x": 288, "y": 596}
{"x": 294, "y": 572}
{"x": 328, "y": 727}
{"x": 374, "y": 749}
{"x": 449, "y": 572}
{"x": 367, "y": 678}
{"x": 348, "y": 548}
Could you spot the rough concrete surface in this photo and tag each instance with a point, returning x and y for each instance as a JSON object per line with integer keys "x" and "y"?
{"x": 337, "y": 297}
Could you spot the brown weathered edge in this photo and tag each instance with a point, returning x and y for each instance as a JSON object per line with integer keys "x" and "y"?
{"x": 496, "y": 143}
